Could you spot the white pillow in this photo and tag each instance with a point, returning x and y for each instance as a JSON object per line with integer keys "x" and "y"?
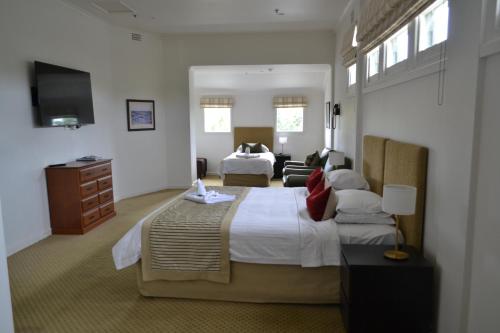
{"x": 379, "y": 218}
{"x": 264, "y": 148}
{"x": 345, "y": 179}
{"x": 358, "y": 202}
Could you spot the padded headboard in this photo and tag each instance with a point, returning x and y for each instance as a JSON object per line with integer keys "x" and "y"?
{"x": 263, "y": 135}
{"x": 373, "y": 162}
{"x": 406, "y": 164}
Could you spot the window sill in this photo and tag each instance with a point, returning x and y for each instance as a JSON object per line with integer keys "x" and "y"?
{"x": 394, "y": 79}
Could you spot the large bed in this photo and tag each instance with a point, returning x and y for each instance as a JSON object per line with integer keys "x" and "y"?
{"x": 255, "y": 172}
{"x": 277, "y": 253}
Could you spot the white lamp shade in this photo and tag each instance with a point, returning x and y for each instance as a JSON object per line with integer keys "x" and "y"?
{"x": 283, "y": 139}
{"x": 399, "y": 199}
{"x": 336, "y": 158}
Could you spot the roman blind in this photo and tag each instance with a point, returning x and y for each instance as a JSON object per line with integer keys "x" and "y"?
{"x": 349, "y": 51}
{"x": 216, "y": 102}
{"x": 289, "y": 101}
{"x": 379, "y": 19}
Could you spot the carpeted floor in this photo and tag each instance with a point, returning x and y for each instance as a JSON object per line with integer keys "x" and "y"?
{"x": 69, "y": 284}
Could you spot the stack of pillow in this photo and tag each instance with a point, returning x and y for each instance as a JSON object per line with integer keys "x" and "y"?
{"x": 344, "y": 194}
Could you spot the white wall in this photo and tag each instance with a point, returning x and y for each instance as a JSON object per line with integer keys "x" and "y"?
{"x": 254, "y": 108}
{"x": 485, "y": 266}
{"x": 6, "y": 320}
{"x": 184, "y": 51}
{"x": 409, "y": 112}
{"x": 53, "y": 32}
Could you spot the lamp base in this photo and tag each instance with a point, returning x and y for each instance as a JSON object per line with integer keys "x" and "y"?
{"x": 396, "y": 255}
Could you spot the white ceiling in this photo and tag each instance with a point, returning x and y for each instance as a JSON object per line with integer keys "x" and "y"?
{"x": 259, "y": 77}
{"x": 206, "y": 16}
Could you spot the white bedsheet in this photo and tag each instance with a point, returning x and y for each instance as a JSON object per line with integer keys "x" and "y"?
{"x": 272, "y": 226}
{"x": 262, "y": 165}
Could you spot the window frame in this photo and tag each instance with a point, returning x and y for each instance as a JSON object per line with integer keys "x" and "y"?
{"x": 417, "y": 64}
{"x": 294, "y": 132}
{"x": 218, "y": 132}
{"x": 432, "y": 53}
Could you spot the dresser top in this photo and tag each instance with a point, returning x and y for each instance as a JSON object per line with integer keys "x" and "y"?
{"x": 78, "y": 164}
{"x": 373, "y": 255}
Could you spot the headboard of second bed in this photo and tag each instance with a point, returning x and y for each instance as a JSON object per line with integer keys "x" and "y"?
{"x": 391, "y": 162}
{"x": 264, "y": 135}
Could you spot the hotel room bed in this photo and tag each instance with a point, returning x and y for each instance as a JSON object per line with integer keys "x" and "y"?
{"x": 255, "y": 172}
{"x": 277, "y": 253}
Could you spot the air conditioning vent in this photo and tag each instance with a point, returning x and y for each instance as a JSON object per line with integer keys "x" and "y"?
{"x": 135, "y": 36}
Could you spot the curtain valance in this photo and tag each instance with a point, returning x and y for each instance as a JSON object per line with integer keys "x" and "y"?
{"x": 216, "y": 102}
{"x": 379, "y": 19}
{"x": 289, "y": 101}
{"x": 349, "y": 51}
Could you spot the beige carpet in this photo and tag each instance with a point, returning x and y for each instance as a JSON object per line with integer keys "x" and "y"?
{"x": 69, "y": 284}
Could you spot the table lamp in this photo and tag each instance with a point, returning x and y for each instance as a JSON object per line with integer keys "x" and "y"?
{"x": 336, "y": 158}
{"x": 282, "y": 140}
{"x": 398, "y": 200}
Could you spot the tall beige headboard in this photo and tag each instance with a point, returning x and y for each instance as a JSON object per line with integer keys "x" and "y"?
{"x": 406, "y": 164}
{"x": 373, "y": 161}
{"x": 263, "y": 135}
{"x": 391, "y": 162}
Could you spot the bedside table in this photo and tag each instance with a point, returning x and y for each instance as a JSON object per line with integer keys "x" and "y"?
{"x": 280, "y": 164}
{"x": 382, "y": 295}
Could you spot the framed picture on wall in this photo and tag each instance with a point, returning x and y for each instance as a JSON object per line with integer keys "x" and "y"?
{"x": 328, "y": 115}
{"x": 140, "y": 115}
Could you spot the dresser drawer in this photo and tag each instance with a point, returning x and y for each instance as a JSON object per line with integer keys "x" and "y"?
{"x": 103, "y": 170}
{"x": 88, "y": 174}
{"x": 88, "y": 189}
{"x": 89, "y": 203}
{"x": 106, "y": 196}
{"x": 105, "y": 183}
{"x": 90, "y": 217}
{"x": 107, "y": 209}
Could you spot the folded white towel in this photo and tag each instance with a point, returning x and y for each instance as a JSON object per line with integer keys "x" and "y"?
{"x": 247, "y": 155}
{"x": 210, "y": 197}
{"x": 200, "y": 187}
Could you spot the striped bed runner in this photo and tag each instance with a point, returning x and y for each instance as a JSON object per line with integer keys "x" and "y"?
{"x": 190, "y": 241}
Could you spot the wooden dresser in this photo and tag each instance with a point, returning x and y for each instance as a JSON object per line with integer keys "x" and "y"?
{"x": 80, "y": 196}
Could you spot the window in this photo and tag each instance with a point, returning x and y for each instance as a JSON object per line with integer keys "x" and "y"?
{"x": 372, "y": 62}
{"x": 396, "y": 47}
{"x": 351, "y": 71}
{"x": 290, "y": 119}
{"x": 217, "y": 119}
{"x": 433, "y": 25}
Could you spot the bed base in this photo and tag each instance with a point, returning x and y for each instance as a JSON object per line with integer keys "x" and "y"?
{"x": 246, "y": 180}
{"x": 255, "y": 283}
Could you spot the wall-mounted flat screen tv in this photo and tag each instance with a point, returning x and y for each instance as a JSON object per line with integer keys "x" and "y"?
{"x": 62, "y": 96}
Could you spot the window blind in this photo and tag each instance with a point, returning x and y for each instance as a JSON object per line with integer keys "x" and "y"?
{"x": 216, "y": 102}
{"x": 379, "y": 19}
{"x": 289, "y": 101}
{"x": 349, "y": 51}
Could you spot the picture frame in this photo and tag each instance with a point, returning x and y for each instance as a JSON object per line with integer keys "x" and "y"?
{"x": 141, "y": 115}
{"x": 328, "y": 115}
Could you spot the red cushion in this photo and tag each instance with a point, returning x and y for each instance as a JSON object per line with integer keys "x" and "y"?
{"x": 321, "y": 203}
{"x": 314, "y": 178}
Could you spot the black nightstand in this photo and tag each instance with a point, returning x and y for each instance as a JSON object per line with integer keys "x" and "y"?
{"x": 280, "y": 164}
{"x": 381, "y": 295}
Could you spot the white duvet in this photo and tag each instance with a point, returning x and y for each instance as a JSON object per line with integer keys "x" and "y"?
{"x": 262, "y": 165}
{"x": 272, "y": 226}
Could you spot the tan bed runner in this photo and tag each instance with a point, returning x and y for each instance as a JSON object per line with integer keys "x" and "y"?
{"x": 190, "y": 241}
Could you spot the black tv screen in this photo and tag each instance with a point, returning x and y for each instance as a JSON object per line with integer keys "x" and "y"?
{"x": 63, "y": 96}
